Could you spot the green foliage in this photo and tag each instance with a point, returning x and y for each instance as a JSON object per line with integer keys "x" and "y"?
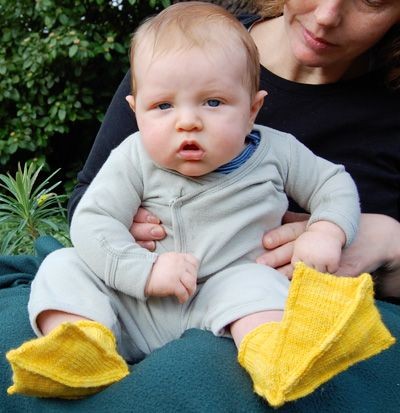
{"x": 60, "y": 62}
{"x": 28, "y": 209}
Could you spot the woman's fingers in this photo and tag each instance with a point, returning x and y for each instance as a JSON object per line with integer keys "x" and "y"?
{"x": 278, "y": 257}
{"x": 279, "y": 243}
{"x": 283, "y": 234}
{"x": 286, "y": 270}
{"x": 147, "y": 232}
{"x": 149, "y": 245}
{"x": 143, "y": 216}
{"x": 294, "y": 217}
{"x": 146, "y": 229}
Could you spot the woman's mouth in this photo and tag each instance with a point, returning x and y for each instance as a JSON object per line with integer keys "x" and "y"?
{"x": 191, "y": 151}
{"x": 316, "y": 43}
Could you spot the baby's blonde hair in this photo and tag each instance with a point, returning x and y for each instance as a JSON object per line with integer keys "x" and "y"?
{"x": 197, "y": 24}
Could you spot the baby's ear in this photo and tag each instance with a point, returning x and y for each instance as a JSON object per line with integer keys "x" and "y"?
{"x": 258, "y": 102}
{"x": 131, "y": 100}
{"x": 256, "y": 105}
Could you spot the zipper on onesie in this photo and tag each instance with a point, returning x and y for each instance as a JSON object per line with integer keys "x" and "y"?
{"x": 178, "y": 225}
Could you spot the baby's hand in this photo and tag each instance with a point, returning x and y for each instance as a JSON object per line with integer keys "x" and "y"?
{"x": 173, "y": 274}
{"x": 320, "y": 247}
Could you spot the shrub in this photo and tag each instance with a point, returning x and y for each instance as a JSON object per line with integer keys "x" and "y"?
{"x": 60, "y": 62}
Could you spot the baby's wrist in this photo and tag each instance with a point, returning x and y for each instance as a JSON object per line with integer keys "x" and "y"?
{"x": 393, "y": 246}
{"x": 328, "y": 228}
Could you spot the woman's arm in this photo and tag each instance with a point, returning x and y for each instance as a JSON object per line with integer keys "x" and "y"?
{"x": 119, "y": 122}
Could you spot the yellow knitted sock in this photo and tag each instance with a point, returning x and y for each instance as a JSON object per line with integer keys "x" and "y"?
{"x": 340, "y": 327}
{"x": 256, "y": 354}
{"x": 74, "y": 360}
{"x": 329, "y": 324}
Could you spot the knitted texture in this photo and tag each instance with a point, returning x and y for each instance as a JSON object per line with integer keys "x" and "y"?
{"x": 329, "y": 324}
{"x": 74, "y": 360}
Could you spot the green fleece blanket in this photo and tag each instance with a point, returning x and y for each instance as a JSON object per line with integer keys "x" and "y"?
{"x": 196, "y": 373}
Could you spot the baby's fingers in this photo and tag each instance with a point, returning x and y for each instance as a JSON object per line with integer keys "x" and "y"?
{"x": 192, "y": 263}
{"x": 189, "y": 281}
{"x": 323, "y": 266}
{"x": 189, "y": 276}
{"x": 181, "y": 293}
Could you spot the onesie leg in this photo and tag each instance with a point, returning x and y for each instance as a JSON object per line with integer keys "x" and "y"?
{"x": 329, "y": 324}
{"x": 74, "y": 360}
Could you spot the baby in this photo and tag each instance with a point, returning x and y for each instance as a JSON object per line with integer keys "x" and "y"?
{"x": 217, "y": 181}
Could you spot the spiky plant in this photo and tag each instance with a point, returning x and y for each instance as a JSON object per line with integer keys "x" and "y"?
{"x": 28, "y": 209}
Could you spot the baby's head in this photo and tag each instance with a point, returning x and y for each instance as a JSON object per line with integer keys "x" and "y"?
{"x": 207, "y": 26}
{"x": 195, "y": 78}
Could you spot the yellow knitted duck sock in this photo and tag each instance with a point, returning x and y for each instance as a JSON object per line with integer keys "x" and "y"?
{"x": 329, "y": 324}
{"x": 256, "y": 354}
{"x": 74, "y": 360}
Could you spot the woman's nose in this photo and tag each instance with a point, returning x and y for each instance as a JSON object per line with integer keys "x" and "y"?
{"x": 329, "y": 13}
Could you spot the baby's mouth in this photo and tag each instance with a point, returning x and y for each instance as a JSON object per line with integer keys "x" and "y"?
{"x": 191, "y": 151}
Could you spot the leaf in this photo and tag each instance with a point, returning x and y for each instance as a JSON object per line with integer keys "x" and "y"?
{"x": 48, "y": 21}
{"x": 119, "y": 48}
{"x": 62, "y": 114}
{"x": 64, "y": 20}
{"x": 73, "y": 50}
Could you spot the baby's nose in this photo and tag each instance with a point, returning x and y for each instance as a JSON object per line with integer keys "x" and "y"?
{"x": 188, "y": 120}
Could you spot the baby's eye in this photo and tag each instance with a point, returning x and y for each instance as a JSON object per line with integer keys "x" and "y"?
{"x": 213, "y": 102}
{"x": 164, "y": 106}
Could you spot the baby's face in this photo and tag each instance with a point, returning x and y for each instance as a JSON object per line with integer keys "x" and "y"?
{"x": 193, "y": 109}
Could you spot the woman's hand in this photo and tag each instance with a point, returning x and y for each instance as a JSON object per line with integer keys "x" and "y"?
{"x": 376, "y": 249}
{"x": 373, "y": 247}
{"x": 279, "y": 243}
{"x": 377, "y": 246}
{"x": 147, "y": 229}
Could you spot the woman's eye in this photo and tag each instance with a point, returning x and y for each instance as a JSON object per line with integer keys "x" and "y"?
{"x": 374, "y": 3}
{"x": 213, "y": 102}
{"x": 164, "y": 106}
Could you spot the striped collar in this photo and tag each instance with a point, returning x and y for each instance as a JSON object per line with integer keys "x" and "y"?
{"x": 252, "y": 140}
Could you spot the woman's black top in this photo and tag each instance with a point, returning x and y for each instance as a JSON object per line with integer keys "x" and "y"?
{"x": 354, "y": 122}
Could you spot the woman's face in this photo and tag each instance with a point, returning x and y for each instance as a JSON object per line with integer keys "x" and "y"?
{"x": 327, "y": 33}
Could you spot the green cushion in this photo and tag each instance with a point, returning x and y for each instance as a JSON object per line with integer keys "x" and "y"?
{"x": 196, "y": 373}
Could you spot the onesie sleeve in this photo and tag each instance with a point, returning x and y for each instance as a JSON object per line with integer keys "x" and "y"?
{"x": 101, "y": 223}
{"x": 323, "y": 188}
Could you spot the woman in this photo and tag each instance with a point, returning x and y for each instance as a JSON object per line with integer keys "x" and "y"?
{"x": 331, "y": 69}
